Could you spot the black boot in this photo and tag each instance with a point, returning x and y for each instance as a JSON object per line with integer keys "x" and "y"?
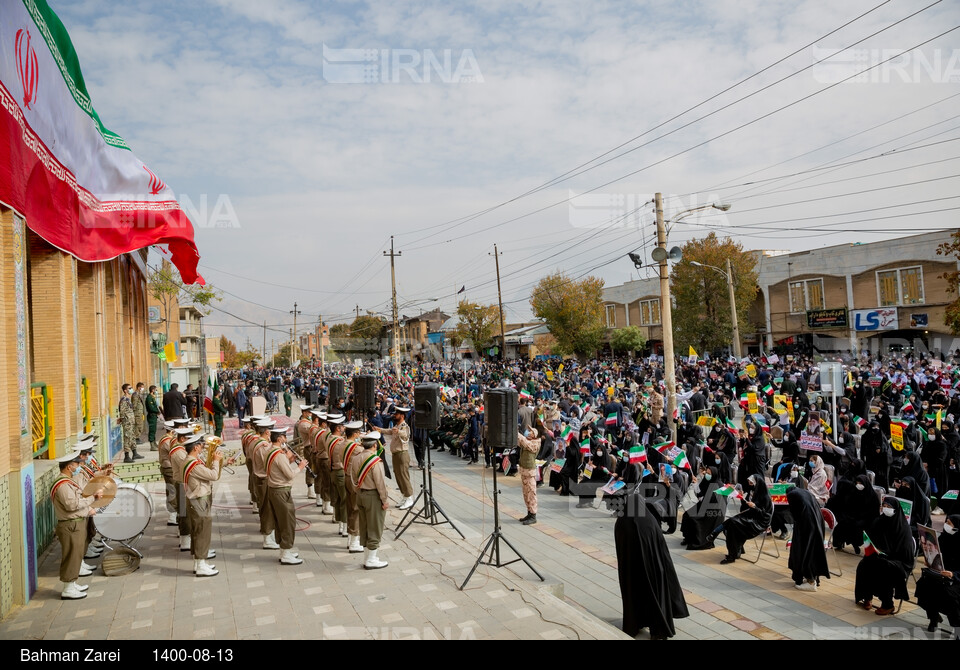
{"x": 136, "y": 456}
{"x": 127, "y": 458}
{"x": 525, "y": 518}
{"x": 532, "y": 519}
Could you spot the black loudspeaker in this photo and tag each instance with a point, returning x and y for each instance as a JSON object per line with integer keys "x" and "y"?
{"x": 500, "y": 415}
{"x": 335, "y": 393}
{"x": 426, "y": 406}
{"x": 312, "y": 398}
{"x": 365, "y": 392}
{"x": 275, "y": 385}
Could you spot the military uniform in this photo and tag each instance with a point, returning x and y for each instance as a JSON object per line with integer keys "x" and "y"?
{"x": 321, "y": 456}
{"x": 352, "y": 451}
{"x": 280, "y": 475}
{"x": 166, "y": 470}
{"x": 400, "y": 454}
{"x": 178, "y": 455}
{"x": 338, "y": 498}
{"x": 71, "y": 510}
{"x": 247, "y": 438}
{"x": 139, "y": 415}
{"x": 303, "y": 439}
{"x": 260, "y": 449}
{"x": 153, "y": 415}
{"x": 128, "y": 424}
{"x": 198, "y": 485}
{"x": 366, "y": 475}
{"x": 218, "y": 411}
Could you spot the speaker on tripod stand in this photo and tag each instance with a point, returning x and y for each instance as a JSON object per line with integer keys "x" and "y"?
{"x": 500, "y": 412}
{"x": 426, "y": 408}
{"x": 365, "y": 393}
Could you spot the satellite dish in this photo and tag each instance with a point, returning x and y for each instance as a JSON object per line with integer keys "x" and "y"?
{"x": 659, "y": 254}
{"x": 675, "y": 254}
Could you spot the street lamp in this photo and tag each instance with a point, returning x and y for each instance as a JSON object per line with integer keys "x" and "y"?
{"x": 733, "y": 302}
{"x": 666, "y": 304}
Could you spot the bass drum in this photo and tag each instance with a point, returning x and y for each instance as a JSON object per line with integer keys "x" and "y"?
{"x": 127, "y": 516}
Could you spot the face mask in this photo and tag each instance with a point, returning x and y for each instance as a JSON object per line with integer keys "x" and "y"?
{"x": 526, "y": 433}
{"x": 751, "y": 481}
{"x": 949, "y": 530}
{"x": 839, "y": 440}
{"x": 859, "y": 487}
{"x": 599, "y": 453}
{"x": 708, "y": 477}
{"x": 887, "y": 511}
{"x": 813, "y": 466}
{"x": 794, "y": 474}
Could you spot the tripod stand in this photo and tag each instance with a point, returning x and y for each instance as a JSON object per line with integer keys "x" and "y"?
{"x": 431, "y": 508}
{"x": 493, "y": 542}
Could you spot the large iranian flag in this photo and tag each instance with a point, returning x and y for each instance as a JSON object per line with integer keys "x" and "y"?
{"x": 76, "y": 182}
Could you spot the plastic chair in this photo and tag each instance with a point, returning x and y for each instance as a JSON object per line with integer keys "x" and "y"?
{"x": 831, "y": 523}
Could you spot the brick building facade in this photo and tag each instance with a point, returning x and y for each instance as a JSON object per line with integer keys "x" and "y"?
{"x": 74, "y": 332}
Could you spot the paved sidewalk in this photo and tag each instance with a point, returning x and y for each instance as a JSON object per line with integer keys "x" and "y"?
{"x": 417, "y": 596}
{"x": 329, "y": 596}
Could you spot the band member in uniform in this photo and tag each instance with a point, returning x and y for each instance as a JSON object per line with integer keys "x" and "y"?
{"x": 166, "y": 470}
{"x": 247, "y": 438}
{"x": 281, "y": 471}
{"x": 321, "y": 455}
{"x": 366, "y": 475}
{"x": 89, "y": 468}
{"x": 259, "y": 450}
{"x": 72, "y": 511}
{"x": 352, "y": 448}
{"x": 400, "y": 451}
{"x": 178, "y": 454}
{"x": 303, "y": 441}
{"x": 338, "y": 493}
{"x": 198, "y": 483}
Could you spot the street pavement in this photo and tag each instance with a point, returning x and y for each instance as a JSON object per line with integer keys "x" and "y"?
{"x": 330, "y": 596}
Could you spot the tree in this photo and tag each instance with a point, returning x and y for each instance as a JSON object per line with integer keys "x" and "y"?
{"x": 573, "y": 310}
{"x": 951, "y": 315}
{"x": 340, "y": 330}
{"x": 627, "y": 339}
{"x": 477, "y": 323}
{"x": 281, "y": 359}
{"x": 229, "y": 350}
{"x": 245, "y": 358}
{"x": 168, "y": 289}
{"x": 366, "y": 327}
{"x": 701, "y": 317}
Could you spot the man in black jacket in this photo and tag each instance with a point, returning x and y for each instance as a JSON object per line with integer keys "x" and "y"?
{"x": 173, "y": 403}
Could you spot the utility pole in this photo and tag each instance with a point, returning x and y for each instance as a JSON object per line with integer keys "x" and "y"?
{"x": 393, "y": 283}
{"x": 263, "y": 351}
{"x": 503, "y": 333}
{"x": 358, "y": 311}
{"x": 294, "y": 312}
{"x": 733, "y": 316}
{"x": 322, "y": 355}
{"x": 291, "y": 347}
{"x": 666, "y": 318}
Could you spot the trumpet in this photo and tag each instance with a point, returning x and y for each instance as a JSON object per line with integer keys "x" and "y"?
{"x": 213, "y": 444}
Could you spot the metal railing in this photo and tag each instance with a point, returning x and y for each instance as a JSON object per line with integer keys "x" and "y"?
{"x": 41, "y": 420}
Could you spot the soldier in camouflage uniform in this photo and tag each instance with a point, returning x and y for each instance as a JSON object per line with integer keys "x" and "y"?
{"x": 139, "y": 412}
{"x": 127, "y": 423}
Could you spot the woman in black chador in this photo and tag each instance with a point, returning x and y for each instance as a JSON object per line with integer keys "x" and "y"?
{"x": 652, "y": 597}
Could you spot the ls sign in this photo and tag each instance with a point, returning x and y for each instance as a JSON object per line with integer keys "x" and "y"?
{"x": 875, "y": 319}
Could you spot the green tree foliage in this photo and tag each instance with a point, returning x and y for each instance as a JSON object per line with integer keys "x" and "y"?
{"x": 366, "y": 327}
{"x": 627, "y": 339}
{"x": 245, "y": 358}
{"x": 951, "y": 315}
{"x": 477, "y": 323}
{"x": 340, "y": 330}
{"x": 701, "y": 317}
{"x": 573, "y": 310}
{"x": 168, "y": 289}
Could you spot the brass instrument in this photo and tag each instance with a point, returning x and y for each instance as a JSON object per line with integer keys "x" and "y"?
{"x": 298, "y": 460}
{"x": 213, "y": 444}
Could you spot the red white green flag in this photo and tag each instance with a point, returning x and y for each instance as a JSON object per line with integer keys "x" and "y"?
{"x": 861, "y": 422}
{"x": 77, "y": 183}
{"x": 585, "y": 446}
{"x": 638, "y": 454}
{"x": 868, "y": 546}
{"x": 611, "y": 419}
{"x": 566, "y": 433}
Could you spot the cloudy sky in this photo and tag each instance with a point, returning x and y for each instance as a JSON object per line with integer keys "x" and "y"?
{"x": 305, "y": 134}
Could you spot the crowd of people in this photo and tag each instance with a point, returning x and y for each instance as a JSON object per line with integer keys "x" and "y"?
{"x": 752, "y": 450}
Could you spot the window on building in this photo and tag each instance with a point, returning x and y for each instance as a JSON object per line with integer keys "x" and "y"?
{"x": 650, "y": 312}
{"x": 903, "y": 286}
{"x": 806, "y": 295}
{"x": 611, "y": 316}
